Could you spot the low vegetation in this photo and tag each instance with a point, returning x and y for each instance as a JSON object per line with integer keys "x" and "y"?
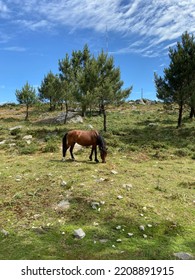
{"x": 144, "y": 194}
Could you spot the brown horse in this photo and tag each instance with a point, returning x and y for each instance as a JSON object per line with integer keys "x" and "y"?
{"x": 84, "y": 138}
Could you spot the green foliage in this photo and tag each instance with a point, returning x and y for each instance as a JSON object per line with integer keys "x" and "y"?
{"x": 51, "y": 146}
{"x": 178, "y": 82}
{"x": 27, "y": 96}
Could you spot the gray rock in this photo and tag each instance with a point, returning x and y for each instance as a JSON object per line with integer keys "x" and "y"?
{"x": 27, "y": 137}
{"x": 95, "y": 205}
{"x": 5, "y": 232}
{"x": 79, "y": 233}
{"x": 2, "y": 142}
{"x": 142, "y": 227}
{"x": 15, "y": 127}
{"x": 62, "y": 206}
{"x": 183, "y": 256}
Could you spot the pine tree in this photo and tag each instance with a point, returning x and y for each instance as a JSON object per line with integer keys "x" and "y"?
{"x": 178, "y": 82}
{"x": 27, "y": 96}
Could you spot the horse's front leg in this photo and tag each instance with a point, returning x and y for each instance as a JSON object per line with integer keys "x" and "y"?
{"x": 90, "y": 157}
{"x": 95, "y": 149}
{"x": 71, "y": 151}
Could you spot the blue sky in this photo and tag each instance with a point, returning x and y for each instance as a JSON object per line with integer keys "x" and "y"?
{"x": 34, "y": 35}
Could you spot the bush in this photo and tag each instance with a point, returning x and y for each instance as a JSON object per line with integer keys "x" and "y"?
{"x": 28, "y": 149}
{"x": 51, "y": 147}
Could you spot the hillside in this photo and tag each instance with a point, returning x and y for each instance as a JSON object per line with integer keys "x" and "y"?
{"x": 139, "y": 205}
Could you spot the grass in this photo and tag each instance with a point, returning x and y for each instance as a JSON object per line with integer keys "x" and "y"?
{"x": 145, "y": 149}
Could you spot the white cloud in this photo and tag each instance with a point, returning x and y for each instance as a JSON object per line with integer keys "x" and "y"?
{"x": 153, "y": 22}
{"x": 14, "y": 49}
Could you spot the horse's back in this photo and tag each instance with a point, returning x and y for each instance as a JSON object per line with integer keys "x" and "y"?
{"x": 83, "y": 137}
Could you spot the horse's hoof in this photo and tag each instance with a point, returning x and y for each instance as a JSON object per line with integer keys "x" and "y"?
{"x": 96, "y": 160}
{"x": 63, "y": 159}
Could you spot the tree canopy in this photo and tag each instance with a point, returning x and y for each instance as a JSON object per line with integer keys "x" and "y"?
{"x": 92, "y": 82}
{"x": 27, "y": 96}
{"x": 178, "y": 82}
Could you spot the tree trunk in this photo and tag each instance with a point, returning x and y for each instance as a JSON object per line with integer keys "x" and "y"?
{"x": 192, "y": 112}
{"x": 26, "y": 118}
{"x": 180, "y": 115}
{"x": 104, "y": 115}
{"x": 66, "y": 113}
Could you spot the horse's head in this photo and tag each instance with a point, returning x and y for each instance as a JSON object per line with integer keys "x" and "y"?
{"x": 103, "y": 154}
{"x": 102, "y": 147}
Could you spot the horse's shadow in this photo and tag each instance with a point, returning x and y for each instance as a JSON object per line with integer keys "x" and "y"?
{"x": 73, "y": 161}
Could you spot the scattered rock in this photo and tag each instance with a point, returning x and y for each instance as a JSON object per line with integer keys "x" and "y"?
{"x": 128, "y": 187}
{"x": 114, "y": 172}
{"x": 120, "y": 197}
{"x": 79, "y": 233}
{"x": 62, "y": 206}
{"x": 100, "y": 180}
{"x": 142, "y": 227}
{"x": 38, "y": 230}
{"x": 15, "y": 127}
{"x": 152, "y": 124}
{"x": 130, "y": 234}
{"x": 103, "y": 240}
{"x": 145, "y": 236}
{"x": 95, "y": 205}
{"x": 183, "y": 256}
{"x": 5, "y": 232}
{"x": 2, "y": 142}
{"x": 63, "y": 183}
{"x": 119, "y": 240}
{"x": 76, "y": 119}
{"x": 118, "y": 227}
{"x": 18, "y": 178}
{"x": 149, "y": 225}
{"x": 27, "y": 137}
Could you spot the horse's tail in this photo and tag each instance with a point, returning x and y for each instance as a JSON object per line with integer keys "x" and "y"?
{"x": 64, "y": 145}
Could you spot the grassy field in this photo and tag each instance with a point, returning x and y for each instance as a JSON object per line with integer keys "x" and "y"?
{"x": 144, "y": 194}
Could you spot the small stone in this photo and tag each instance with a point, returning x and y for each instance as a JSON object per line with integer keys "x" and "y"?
{"x": 130, "y": 234}
{"x": 5, "y": 232}
{"x": 63, "y": 233}
{"x": 118, "y": 227}
{"x": 128, "y": 187}
{"x": 142, "y": 227}
{"x": 183, "y": 256}
{"x": 145, "y": 236}
{"x": 95, "y": 205}
{"x": 119, "y": 240}
{"x": 79, "y": 233}
{"x": 18, "y": 178}
{"x": 63, "y": 183}
{"x": 27, "y": 137}
{"x": 114, "y": 172}
{"x": 144, "y": 209}
{"x": 100, "y": 180}
{"x": 62, "y": 205}
{"x": 120, "y": 197}
{"x": 149, "y": 225}
{"x": 103, "y": 240}
{"x": 96, "y": 224}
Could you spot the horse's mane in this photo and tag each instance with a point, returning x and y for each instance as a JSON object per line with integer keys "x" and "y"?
{"x": 101, "y": 142}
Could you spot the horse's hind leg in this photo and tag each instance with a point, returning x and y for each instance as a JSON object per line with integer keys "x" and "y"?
{"x": 90, "y": 157}
{"x": 64, "y": 146}
{"x": 71, "y": 151}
